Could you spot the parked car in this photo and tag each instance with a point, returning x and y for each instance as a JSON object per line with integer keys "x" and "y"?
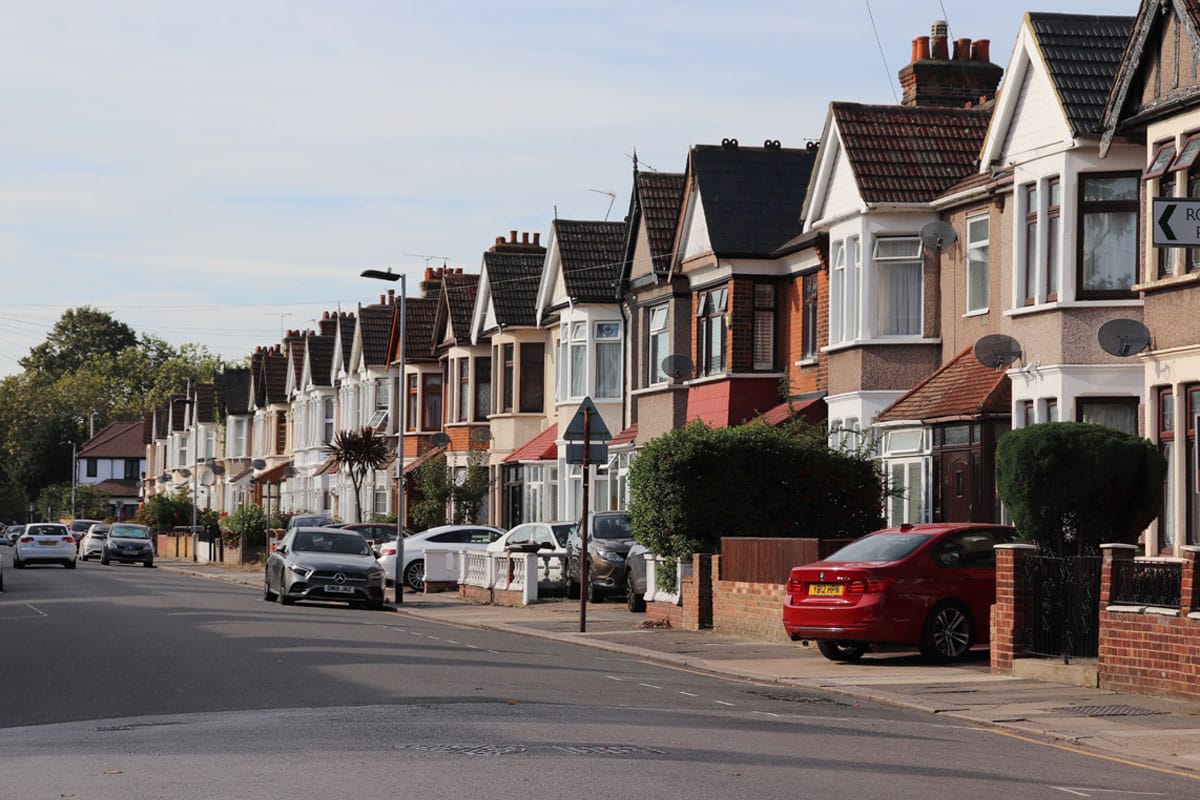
{"x": 43, "y": 542}
{"x": 324, "y": 564}
{"x": 92, "y": 543}
{"x": 412, "y": 571}
{"x": 375, "y": 533}
{"x": 309, "y": 521}
{"x": 610, "y": 535}
{"x": 79, "y": 527}
{"x": 2, "y": 568}
{"x": 635, "y": 577}
{"x": 128, "y": 543}
{"x": 930, "y": 585}
{"x": 12, "y": 532}
{"x": 545, "y": 538}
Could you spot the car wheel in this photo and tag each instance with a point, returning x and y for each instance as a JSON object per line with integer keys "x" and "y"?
{"x": 104, "y": 560}
{"x": 149, "y": 562}
{"x": 634, "y": 599}
{"x": 69, "y": 564}
{"x": 836, "y": 650}
{"x": 268, "y": 595}
{"x": 18, "y": 563}
{"x": 572, "y": 589}
{"x": 83, "y": 558}
{"x": 414, "y": 575}
{"x": 283, "y": 598}
{"x": 948, "y": 633}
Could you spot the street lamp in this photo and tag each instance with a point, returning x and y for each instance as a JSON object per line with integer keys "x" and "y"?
{"x": 401, "y": 396}
{"x": 74, "y": 475}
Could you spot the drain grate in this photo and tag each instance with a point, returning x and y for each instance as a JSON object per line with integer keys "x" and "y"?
{"x": 1108, "y": 711}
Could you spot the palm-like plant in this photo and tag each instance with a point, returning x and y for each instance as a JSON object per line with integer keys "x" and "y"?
{"x": 358, "y": 452}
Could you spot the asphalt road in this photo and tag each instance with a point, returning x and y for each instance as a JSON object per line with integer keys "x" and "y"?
{"x": 124, "y": 682}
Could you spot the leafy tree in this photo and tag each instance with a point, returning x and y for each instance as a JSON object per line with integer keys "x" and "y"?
{"x": 696, "y": 484}
{"x": 1071, "y": 486}
{"x": 79, "y": 336}
{"x": 442, "y": 490}
{"x": 359, "y": 452}
{"x": 247, "y": 525}
{"x": 90, "y": 503}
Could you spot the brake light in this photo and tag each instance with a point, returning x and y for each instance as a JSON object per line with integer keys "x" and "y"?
{"x": 27, "y": 539}
{"x": 387, "y": 551}
{"x": 69, "y": 540}
{"x": 872, "y": 584}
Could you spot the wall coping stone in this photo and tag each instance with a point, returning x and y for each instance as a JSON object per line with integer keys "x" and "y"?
{"x": 1190, "y": 548}
{"x": 1015, "y": 546}
{"x": 1126, "y": 609}
{"x": 1116, "y": 546}
{"x": 1194, "y": 615}
{"x": 1162, "y": 612}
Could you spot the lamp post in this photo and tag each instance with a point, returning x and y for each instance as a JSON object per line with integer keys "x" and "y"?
{"x": 74, "y": 476}
{"x": 401, "y": 398}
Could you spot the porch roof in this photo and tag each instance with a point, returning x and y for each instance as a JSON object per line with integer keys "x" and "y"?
{"x": 540, "y": 448}
{"x": 810, "y": 409}
{"x": 962, "y": 388}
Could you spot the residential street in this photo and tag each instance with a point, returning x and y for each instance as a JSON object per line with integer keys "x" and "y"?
{"x": 128, "y": 682}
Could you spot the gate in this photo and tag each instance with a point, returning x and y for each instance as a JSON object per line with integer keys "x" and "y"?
{"x": 1061, "y": 608}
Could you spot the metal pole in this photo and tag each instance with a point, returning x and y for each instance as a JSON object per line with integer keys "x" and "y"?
{"x": 74, "y": 477}
{"x": 401, "y": 402}
{"x": 585, "y": 558}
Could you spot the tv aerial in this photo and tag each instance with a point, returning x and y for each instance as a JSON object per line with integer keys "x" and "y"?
{"x": 1123, "y": 337}
{"x": 938, "y": 234}
{"x": 678, "y": 367}
{"x": 997, "y": 350}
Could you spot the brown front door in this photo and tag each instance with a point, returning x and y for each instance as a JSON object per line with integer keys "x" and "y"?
{"x": 957, "y": 487}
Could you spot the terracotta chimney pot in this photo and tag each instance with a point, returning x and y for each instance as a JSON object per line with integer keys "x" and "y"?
{"x": 979, "y": 50}
{"x": 499, "y": 240}
{"x": 940, "y": 48}
{"x": 512, "y": 237}
{"x": 920, "y": 49}
{"x": 525, "y": 237}
{"x": 962, "y": 49}
{"x": 536, "y": 236}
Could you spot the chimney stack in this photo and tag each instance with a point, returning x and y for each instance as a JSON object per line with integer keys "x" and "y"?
{"x": 934, "y": 79}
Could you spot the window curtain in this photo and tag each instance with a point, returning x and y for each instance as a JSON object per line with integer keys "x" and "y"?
{"x": 608, "y": 369}
{"x": 899, "y": 299}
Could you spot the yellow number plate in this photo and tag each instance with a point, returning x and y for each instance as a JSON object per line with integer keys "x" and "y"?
{"x": 825, "y": 589}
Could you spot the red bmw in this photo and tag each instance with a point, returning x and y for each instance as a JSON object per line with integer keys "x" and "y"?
{"x": 930, "y": 585}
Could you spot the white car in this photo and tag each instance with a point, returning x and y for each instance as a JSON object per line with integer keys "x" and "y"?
{"x": 45, "y": 542}
{"x": 92, "y": 543}
{"x": 449, "y": 537}
{"x": 543, "y": 538}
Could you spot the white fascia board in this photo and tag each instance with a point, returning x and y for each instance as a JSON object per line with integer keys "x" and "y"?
{"x": 551, "y": 264}
{"x": 483, "y": 302}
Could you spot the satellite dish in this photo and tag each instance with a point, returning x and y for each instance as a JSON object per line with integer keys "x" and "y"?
{"x": 207, "y": 478}
{"x": 185, "y": 473}
{"x": 439, "y": 439}
{"x": 165, "y": 477}
{"x": 938, "y": 234}
{"x": 218, "y": 469}
{"x": 258, "y": 463}
{"x": 481, "y": 435}
{"x": 289, "y": 472}
{"x": 678, "y": 367}
{"x": 997, "y": 350}
{"x": 1123, "y": 337}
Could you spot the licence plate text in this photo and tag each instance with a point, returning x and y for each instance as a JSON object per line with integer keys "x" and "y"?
{"x": 825, "y": 589}
{"x": 339, "y": 589}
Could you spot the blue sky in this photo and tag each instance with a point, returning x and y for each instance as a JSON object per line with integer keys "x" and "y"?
{"x": 214, "y": 172}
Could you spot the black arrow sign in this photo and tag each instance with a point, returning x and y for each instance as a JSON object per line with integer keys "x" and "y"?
{"x": 1165, "y": 218}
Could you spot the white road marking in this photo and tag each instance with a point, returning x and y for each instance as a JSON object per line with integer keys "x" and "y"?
{"x": 36, "y": 610}
{"x": 689, "y": 694}
{"x": 615, "y": 678}
{"x": 1084, "y": 791}
{"x": 649, "y": 685}
{"x": 723, "y": 703}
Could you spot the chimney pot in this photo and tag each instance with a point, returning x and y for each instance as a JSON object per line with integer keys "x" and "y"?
{"x": 512, "y": 237}
{"x": 391, "y": 296}
{"x": 499, "y": 240}
{"x": 962, "y": 49}
{"x": 536, "y": 236}
{"x": 979, "y": 50}
{"x": 382, "y": 299}
{"x": 429, "y": 273}
{"x": 525, "y": 237}
{"x": 940, "y": 48}
{"x": 920, "y": 48}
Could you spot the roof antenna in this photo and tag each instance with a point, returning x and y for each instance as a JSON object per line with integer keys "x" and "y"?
{"x": 636, "y": 163}
{"x": 612, "y": 198}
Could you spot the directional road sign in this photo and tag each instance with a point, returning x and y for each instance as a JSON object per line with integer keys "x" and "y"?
{"x": 1176, "y": 222}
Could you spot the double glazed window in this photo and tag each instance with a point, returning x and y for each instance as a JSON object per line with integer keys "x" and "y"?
{"x": 431, "y": 401}
{"x": 593, "y": 358}
{"x": 764, "y": 326}
{"x": 711, "y": 331}
{"x": 843, "y": 291}
{"x": 533, "y": 382}
{"x": 658, "y": 344}
{"x": 899, "y": 271}
{"x": 483, "y": 388}
{"x": 977, "y": 264}
{"x": 808, "y": 344}
{"x": 1043, "y": 235}
{"x": 1108, "y": 207}
{"x": 608, "y": 359}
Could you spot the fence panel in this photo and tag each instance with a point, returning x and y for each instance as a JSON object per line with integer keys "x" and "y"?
{"x": 1062, "y": 606}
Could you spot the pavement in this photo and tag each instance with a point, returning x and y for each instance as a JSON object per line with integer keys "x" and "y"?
{"x": 1156, "y": 732}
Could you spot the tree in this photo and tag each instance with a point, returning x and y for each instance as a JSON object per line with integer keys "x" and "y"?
{"x": 90, "y": 503}
{"x": 358, "y": 452}
{"x": 1071, "y": 486}
{"x": 164, "y": 512}
{"x": 80, "y": 336}
{"x": 434, "y": 487}
{"x": 693, "y": 485}
{"x": 443, "y": 490}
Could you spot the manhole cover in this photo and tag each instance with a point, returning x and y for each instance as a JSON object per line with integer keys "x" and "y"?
{"x": 466, "y": 749}
{"x": 798, "y": 698}
{"x": 1108, "y": 711}
{"x": 607, "y": 750}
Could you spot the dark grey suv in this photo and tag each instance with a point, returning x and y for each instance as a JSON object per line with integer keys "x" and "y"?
{"x": 610, "y": 536}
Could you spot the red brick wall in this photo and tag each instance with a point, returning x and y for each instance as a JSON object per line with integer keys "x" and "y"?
{"x": 665, "y": 612}
{"x": 750, "y": 610}
{"x": 1006, "y": 612}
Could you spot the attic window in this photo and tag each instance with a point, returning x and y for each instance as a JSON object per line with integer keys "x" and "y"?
{"x": 1188, "y": 153}
{"x": 1160, "y": 162}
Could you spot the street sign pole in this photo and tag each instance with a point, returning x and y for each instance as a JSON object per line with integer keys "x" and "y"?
{"x": 585, "y": 558}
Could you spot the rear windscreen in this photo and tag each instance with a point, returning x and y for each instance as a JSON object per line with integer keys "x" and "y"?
{"x": 883, "y": 547}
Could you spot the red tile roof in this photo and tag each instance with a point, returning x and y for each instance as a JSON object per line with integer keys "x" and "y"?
{"x": 420, "y": 460}
{"x": 961, "y": 388}
{"x": 810, "y": 410}
{"x": 539, "y": 448}
{"x": 624, "y": 437}
{"x": 116, "y": 440}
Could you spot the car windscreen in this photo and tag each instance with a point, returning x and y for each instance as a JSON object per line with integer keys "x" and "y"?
{"x": 342, "y": 543}
{"x": 82, "y": 525}
{"x": 562, "y": 533}
{"x": 883, "y": 547}
{"x": 129, "y": 532}
{"x": 616, "y": 527}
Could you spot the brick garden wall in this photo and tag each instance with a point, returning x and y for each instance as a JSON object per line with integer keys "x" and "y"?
{"x": 751, "y": 610}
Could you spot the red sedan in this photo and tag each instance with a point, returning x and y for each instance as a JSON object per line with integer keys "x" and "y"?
{"x": 929, "y": 585}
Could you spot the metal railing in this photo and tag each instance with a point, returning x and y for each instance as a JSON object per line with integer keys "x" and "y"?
{"x": 1146, "y": 583}
{"x": 1061, "y": 610}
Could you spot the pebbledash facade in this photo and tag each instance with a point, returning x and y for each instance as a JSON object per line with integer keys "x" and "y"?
{"x": 849, "y": 281}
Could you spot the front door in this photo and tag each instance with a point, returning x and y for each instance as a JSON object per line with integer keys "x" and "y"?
{"x": 957, "y": 486}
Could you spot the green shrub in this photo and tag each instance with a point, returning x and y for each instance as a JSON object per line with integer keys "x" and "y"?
{"x": 246, "y": 526}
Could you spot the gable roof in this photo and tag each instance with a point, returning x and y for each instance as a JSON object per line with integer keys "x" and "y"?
{"x": 116, "y": 440}
{"x": 272, "y": 375}
{"x": 345, "y": 336}
{"x": 513, "y": 282}
{"x": 233, "y": 390}
{"x": 539, "y": 448}
{"x": 458, "y": 293}
{"x": 962, "y": 388}
{"x": 1122, "y": 108}
{"x": 319, "y": 354}
{"x": 909, "y": 154}
{"x": 659, "y": 198}
{"x": 752, "y": 196}
{"x": 591, "y": 255}
{"x": 1082, "y": 54}
{"x": 205, "y": 396}
{"x": 374, "y": 324}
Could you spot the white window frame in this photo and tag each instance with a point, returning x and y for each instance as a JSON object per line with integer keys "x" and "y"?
{"x": 886, "y": 263}
{"x": 658, "y": 343}
{"x": 763, "y": 344}
{"x": 607, "y": 339}
{"x": 977, "y": 264}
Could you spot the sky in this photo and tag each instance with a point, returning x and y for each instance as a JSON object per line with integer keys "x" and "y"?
{"x": 220, "y": 172}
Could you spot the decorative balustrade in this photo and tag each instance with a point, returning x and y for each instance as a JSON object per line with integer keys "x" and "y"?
{"x": 1146, "y": 583}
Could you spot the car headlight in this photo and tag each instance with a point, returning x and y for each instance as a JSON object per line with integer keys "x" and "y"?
{"x": 303, "y": 572}
{"x": 611, "y": 555}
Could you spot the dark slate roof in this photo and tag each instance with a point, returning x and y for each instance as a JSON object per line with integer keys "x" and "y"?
{"x": 459, "y": 291}
{"x": 910, "y": 154}
{"x": 274, "y": 373}
{"x": 591, "y": 254}
{"x": 319, "y": 351}
{"x": 116, "y": 440}
{"x": 1083, "y": 53}
{"x": 179, "y": 410}
{"x": 419, "y": 313}
{"x": 513, "y": 279}
{"x": 148, "y": 428}
{"x": 346, "y": 323}
{"x": 374, "y": 323}
{"x": 660, "y": 195}
{"x": 962, "y": 388}
{"x": 233, "y": 390}
{"x": 752, "y": 196}
{"x": 205, "y": 396}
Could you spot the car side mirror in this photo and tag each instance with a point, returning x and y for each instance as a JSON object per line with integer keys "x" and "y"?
{"x": 545, "y": 546}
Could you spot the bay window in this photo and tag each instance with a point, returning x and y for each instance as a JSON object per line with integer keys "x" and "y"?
{"x": 1053, "y": 234}
{"x": 711, "y": 331}
{"x": 463, "y": 368}
{"x": 899, "y": 271}
{"x": 1108, "y": 208}
{"x": 764, "y": 326}
{"x": 658, "y": 344}
{"x": 577, "y": 358}
{"x": 533, "y": 380}
{"x": 483, "y": 388}
{"x": 808, "y": 340}
{"x": 431, "y": 401}
{"x": 608, "y": 359}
